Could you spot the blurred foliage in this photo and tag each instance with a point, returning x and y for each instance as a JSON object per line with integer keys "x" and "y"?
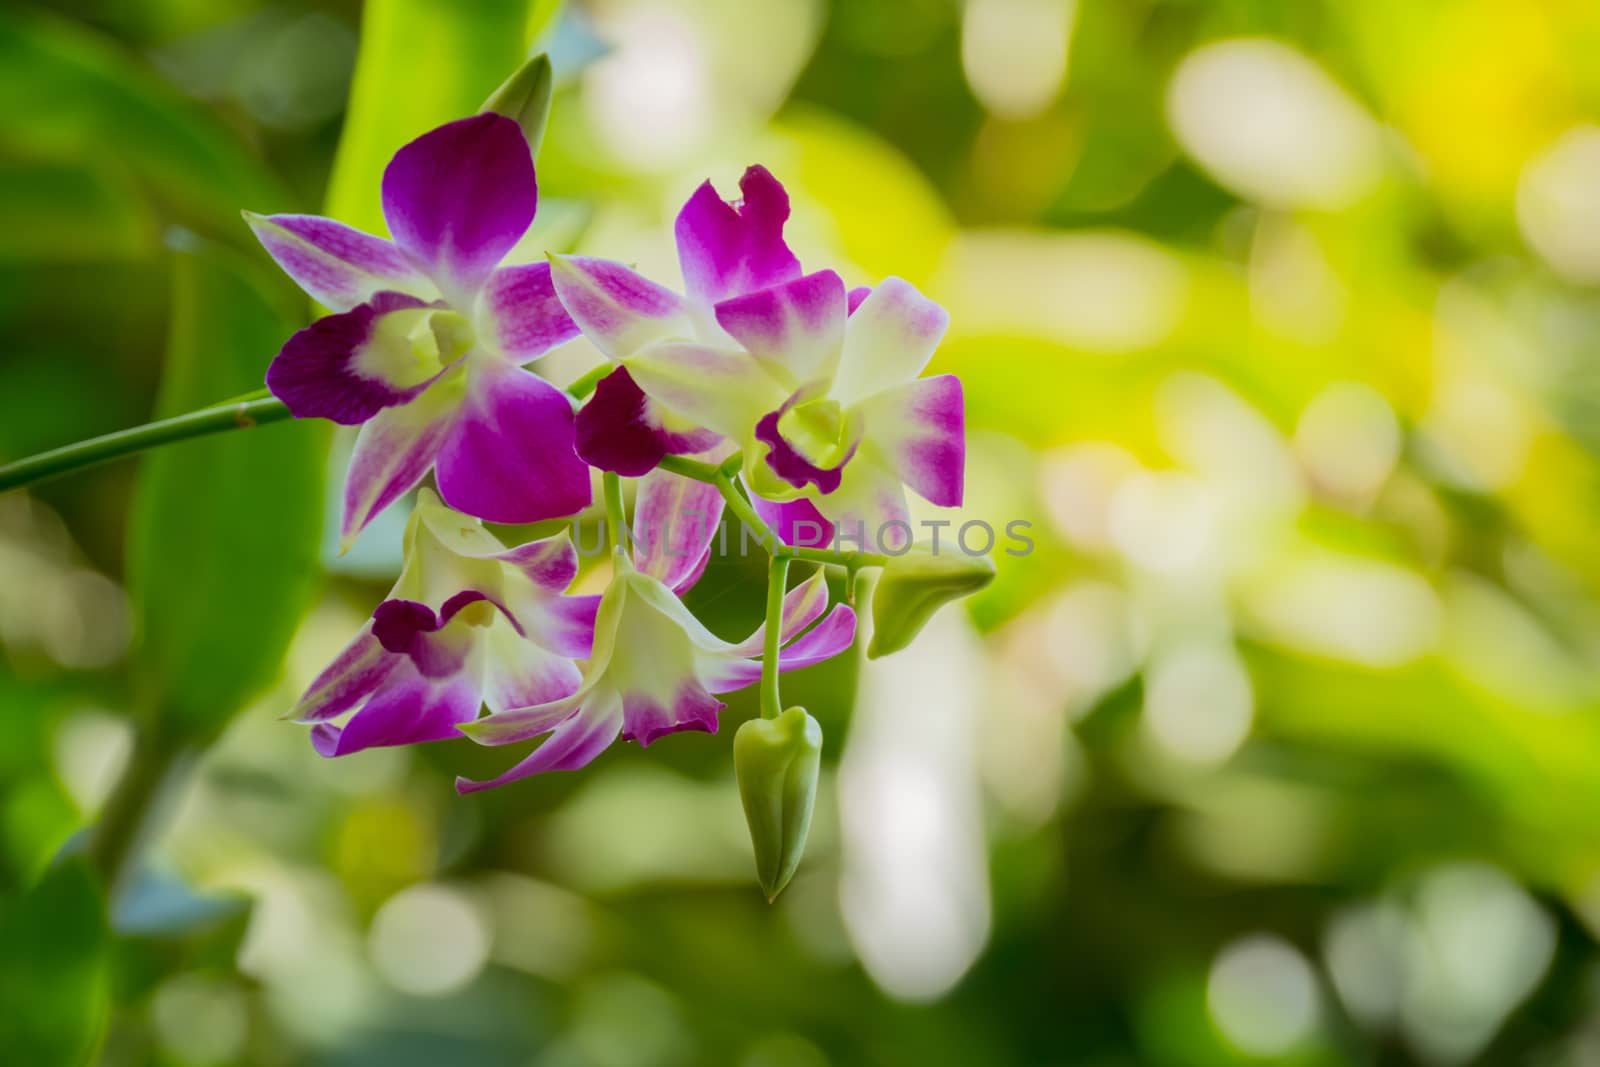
{"x": 1274, "y": 739}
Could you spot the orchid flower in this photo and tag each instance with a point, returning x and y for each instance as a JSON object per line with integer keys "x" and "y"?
{"x": 429, "y": 333}
{"x": 819, "y": 386}
{"x": 724, "y": 251}
{"x": 469, "y": 623}
{"x": 656, "y": 669}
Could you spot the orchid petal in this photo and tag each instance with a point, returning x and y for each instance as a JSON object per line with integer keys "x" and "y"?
{"x": 618, "y": 309}
{"x": 621, "y": 430}
{"x": 691, "y": 708}
{"x": 827, "y": 639}
{"x": 888, "y": 341}
{"x": 350, "y": 366}
{"x": 520, "y": 673}
{"x": 857, "y": 295}
{"x": 521, "y": 313}
{"x": 575, "y": 742}
{"x": 459, "y": 197}
{"x": 795, "y": 329}
{"x": 796, "y": 522}
{"x": 337, "y": 266}
{"x": 726, "y": 250}
{"x": 675, "y": 520}
{"x": 407, "y": 709}
{"x": 802, "y": 606}
{"x": 354, "y": 673}
{"x": 721, "y": 389}
{"x": 394, "y": 450}
{"x": 869, "y": 507}
{"x": 509, "y": 457}
{"x": 921, "y": 428}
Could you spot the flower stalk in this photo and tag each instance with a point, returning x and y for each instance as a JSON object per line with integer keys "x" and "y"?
{"x": 777, "y": 585}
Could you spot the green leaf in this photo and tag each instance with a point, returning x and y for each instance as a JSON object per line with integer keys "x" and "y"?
{"x": 53, "y": 994}
{"x": 421, "y": 65}
{"x": 223, "y": 545}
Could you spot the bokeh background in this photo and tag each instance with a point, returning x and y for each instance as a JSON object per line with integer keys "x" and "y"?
{"x": 1278, "y": 321}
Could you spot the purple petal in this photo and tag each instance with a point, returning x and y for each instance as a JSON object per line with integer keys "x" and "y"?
{"x": 796, "y": 328}
{"x": 338, "y": 266}
{"x": 551, "y": 564}
{"x": 675, "y": 520}
{"x": 569, "y": 625}
{"x": 619, "y": 430}
{"x": 459, "y": 197}
{"x": 522, "y": 314}
{"x": 346, "y": 367}
{"x": 802, "y": 606}
{"x": 574, "y": 743}
{"x": 869, "y": 508}
{"x": 618, "y": 309}
{"x": 407, "y": 709}
{"x": 521, "y": 673}
{"x": 345, "y": 682}
{"x": 797, "y": 522}
{"x": 888, "y": 340}
{"x": 509, "y": 456}
{"x": 921, "y": 427}
{"x": 830, "y": 637}
{"x": 858, "y": 294}
{"x": 788, "y": 463}
{"x": 726, "y": 250}
{"x": 692, "y": 708}
{"x": 393, "y": 451}
{"x": 408, "y": 628}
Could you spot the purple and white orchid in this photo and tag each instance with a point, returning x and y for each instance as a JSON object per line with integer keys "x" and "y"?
{"x": 430, "y": 332}
{"x": 656, "y": 669}
{"x": 470, "y": 622}
{"x": 818, "y": 385}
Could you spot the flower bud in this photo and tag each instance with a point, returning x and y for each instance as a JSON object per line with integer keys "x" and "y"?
{"x": 776, "y": 761}
{"x": 912, "y": 587}
{"x": 525, "y": 98}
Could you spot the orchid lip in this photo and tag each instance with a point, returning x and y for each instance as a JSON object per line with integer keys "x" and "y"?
{"x": 809, "y": 440}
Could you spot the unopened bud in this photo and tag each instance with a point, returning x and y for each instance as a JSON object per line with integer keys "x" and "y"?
{"x": 525, "y": 98}
{"x": 914, "y": 586}
{"x": 777, "y": 761}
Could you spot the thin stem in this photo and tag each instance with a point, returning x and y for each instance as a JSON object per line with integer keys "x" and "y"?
{"x": 585, "y": 385}
{"x": 231, "y": 415}
{"x": 746, "y": 514}
{"x": 777, "y": 584}
{"x": 689, "y": 468}
{"x": 616, "y": 512}
{"x": 839, "y": 559}
{"x": 132, "y": 814}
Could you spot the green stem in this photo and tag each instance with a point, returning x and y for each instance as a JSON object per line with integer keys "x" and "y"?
{"x": 132, "y": 814}
{"x": 231, "y": 415}
{"x": 777, "y": 585}
{"x": 746, "y": 514}
{"x": 616, "y": 511}
{"x": 585, "y": 385}
{"x": 689, "y": 468}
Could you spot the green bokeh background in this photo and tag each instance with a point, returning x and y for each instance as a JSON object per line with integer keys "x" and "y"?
{"x": 1279, "y": 326}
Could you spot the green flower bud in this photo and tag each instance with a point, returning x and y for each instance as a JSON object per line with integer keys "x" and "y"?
{"x": 912, "y": 587}
{"x": 525, "y": 97}
{"x": 776, "y": 761}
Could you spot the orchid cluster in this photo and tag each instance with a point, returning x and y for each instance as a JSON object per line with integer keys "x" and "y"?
{"x": 786, "y": 397}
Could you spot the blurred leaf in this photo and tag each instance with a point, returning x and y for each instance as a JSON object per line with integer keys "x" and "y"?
{"x": 58, "y": 211}
{"x": 52, "y": 969}
{"x": 71, "y": 96}
{"x": 421, "y": 64}
{"x": 223, "y": 545}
